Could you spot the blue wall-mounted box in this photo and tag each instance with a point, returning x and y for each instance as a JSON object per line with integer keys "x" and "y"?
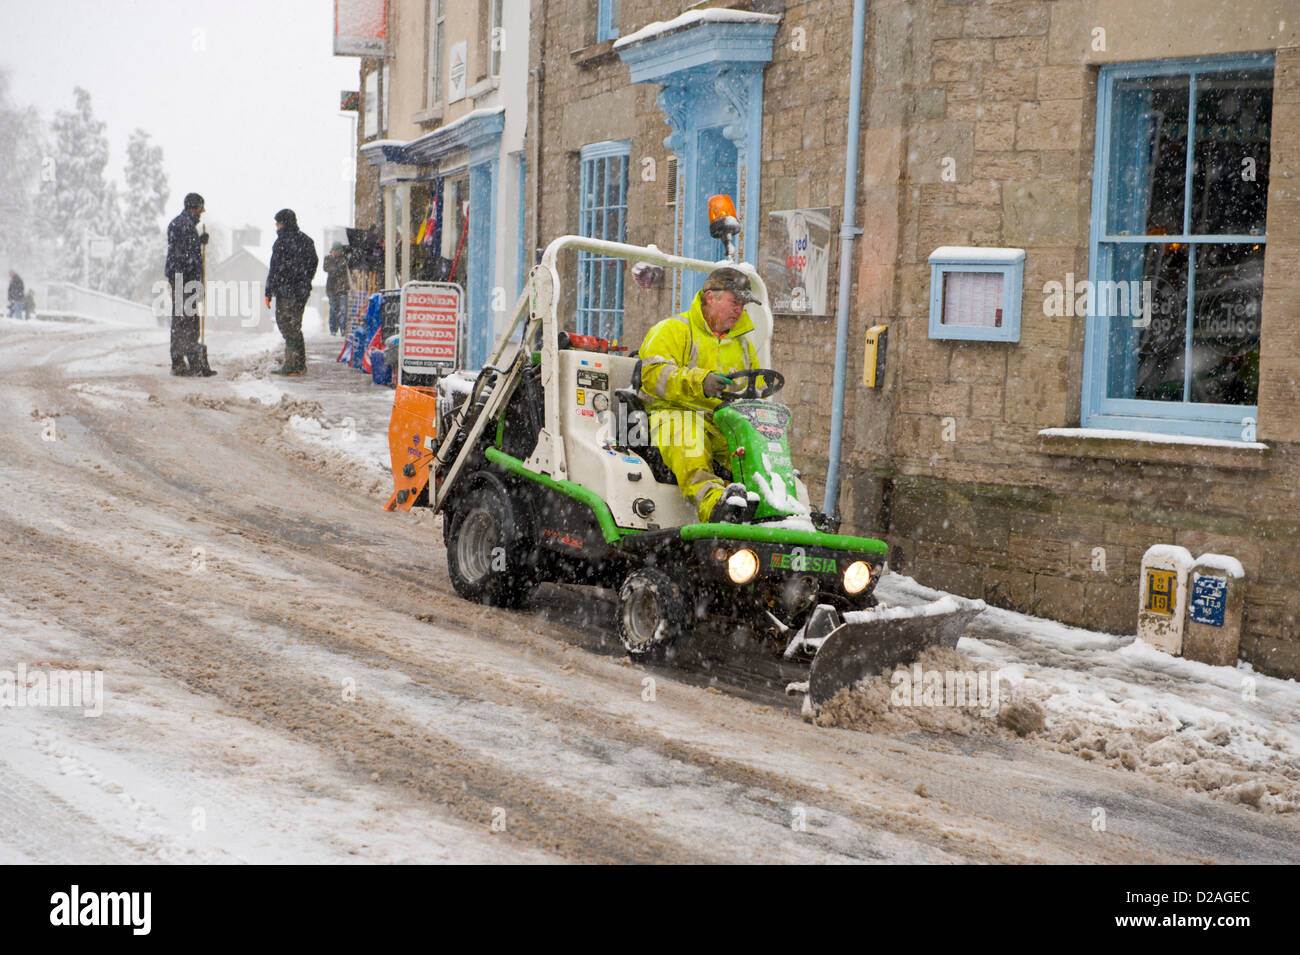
{"x": 975, "y": 293}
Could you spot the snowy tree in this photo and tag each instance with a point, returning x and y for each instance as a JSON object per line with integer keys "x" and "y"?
{"x": 110, "y": 274}
{"x": 73, "y": 196}
{"x": 21, "y": 166}
{"x": 140, "y": 243}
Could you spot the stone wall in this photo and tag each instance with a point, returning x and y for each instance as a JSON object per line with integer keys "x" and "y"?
{"x": 948, "y": 464}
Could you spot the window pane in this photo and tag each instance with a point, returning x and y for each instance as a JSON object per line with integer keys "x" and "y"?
{"x": 498, "y": 37}
{"x": 1225, "y": 335}
{"x": 597, "y": 193}
{"x": 611, "y": 283}
{"x": 440, "y": 57}
{"x": 1230, "y": 179}
{"x": 614, "y": 195}
{"x": 1148, "y": 156}
{"x": 1145, "y": 359}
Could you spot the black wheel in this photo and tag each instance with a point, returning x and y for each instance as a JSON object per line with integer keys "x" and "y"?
{"x": 653, "y": 611}
{"x": 484, "y": 555}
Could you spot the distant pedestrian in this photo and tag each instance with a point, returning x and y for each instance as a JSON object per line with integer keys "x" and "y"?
{"x": 336, "y": 287}
{"x": 17, "y": 301}
{"x": 293, "y": 265}
{"x": 184, "y": 270}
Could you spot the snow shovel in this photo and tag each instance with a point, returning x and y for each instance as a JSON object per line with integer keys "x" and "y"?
{"x": 868, "y": 642}
{"x": 200, "y": 357}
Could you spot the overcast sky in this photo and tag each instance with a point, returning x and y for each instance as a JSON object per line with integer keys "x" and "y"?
{"x": 242, "y": 95}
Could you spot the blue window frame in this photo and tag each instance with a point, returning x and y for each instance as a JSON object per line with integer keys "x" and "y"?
{"x": 1176, "y": 257}
{"x": 602, "y": 214}
{"x": 606, "y": 20}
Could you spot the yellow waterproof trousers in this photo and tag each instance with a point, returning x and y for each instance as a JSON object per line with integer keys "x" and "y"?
{"x": 690, "y": 444}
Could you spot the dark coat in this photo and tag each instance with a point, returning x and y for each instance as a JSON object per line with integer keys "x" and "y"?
{"x": 336, "y": 267}
{"x": 16, "y": 289}
{"x": 184, "y": 249}
{"x": 293, "y": 265}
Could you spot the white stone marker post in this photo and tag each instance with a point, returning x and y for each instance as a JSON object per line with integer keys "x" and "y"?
{"x": 1162, "y": 606}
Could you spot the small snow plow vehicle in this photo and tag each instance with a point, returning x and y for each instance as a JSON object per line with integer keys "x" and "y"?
{"x": 543, "y": 467}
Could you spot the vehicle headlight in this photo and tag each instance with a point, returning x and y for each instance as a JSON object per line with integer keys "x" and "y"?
{"x": 856, "y": 577}
{"x": 742, "y": 566}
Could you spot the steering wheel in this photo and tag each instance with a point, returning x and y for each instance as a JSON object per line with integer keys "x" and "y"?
{"x": 774, "y": 381}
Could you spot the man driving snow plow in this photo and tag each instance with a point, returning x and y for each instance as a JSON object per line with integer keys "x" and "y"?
{"x": 666, "y": 476}
{"x": 684, "y": 364}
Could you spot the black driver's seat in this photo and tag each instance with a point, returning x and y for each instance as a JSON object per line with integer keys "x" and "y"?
{"x": 632, "y": 429}
{"x": 632, "y": 425}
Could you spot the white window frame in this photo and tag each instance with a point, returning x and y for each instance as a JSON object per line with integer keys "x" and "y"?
{"x": 437, "y": 52}
{"x": 496, "y": 36}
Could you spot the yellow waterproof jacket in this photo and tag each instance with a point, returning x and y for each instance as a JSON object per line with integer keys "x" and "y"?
{"x": 679, "y": 352}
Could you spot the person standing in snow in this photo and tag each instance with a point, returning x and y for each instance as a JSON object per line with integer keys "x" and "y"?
{"x": 293, "y": 264}
{"x": 16, "y": 299}
{"x": 336, "y": 287}
{"x": 184, "y": 271}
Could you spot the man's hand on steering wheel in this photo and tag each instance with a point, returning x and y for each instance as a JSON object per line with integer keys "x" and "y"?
{"x": 715, "y": 384}
{"x": 773, "y": 381}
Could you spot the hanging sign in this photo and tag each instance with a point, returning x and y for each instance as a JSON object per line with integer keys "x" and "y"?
{"x": 360, "y": 27}
{"x": 796, "y": 265}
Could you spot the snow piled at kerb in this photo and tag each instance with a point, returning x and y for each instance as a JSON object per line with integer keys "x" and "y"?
{"x": 342, "y": 437}
{"x": 1227, "y": 731}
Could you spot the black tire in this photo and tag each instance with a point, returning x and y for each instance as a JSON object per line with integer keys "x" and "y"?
{"x": 484, "y": 555}
{"x": 653, "y": 611}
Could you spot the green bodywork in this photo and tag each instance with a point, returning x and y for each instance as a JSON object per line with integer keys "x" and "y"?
{"x": 760, "y": 454}
{"x": 783, "y": 535}
{"x": 613, "y": 534}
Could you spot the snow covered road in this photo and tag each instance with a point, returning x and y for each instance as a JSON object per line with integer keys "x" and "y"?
{"x": 289, "y": 676}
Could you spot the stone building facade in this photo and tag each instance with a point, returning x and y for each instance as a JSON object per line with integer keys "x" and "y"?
{"x": 441, "y": 141}
{"x": 1032, "y": 472}
{"x": 1056, "y": 523}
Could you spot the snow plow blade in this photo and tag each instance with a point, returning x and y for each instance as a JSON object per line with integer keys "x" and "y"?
{"x": 411, "y": 426}
{"x": 869, "y": 642}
